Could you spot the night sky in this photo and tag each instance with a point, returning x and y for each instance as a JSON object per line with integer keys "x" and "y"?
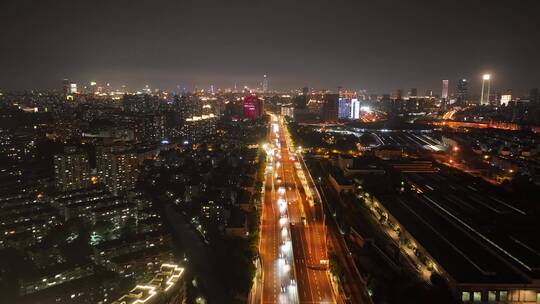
{"x": 357, "y": 44}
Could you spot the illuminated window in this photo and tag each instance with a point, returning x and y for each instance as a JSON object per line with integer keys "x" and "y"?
{"x": 477, "y": 296}
{"x": 503, "y": 295}
{"x": 465, "y": 296}
{"x": 492, "y": 296}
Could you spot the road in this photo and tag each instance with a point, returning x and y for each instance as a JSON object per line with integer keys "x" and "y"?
{"x": 279, "y": 283}
{"x": 307, "y": 231}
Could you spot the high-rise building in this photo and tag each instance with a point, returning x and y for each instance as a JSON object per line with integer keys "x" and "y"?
{"x": 444, "y": 94}
{"x": 149, "y": 128}
{"x": 413, "y": 92}
{"x": 287, "y": 110}
{"x": 330, "y": 107}
{"x": 505, "y": 99}
{"x": 253, "y": 107}
{"x": 140, "y": 103}
{"x": 65, "y": 86}
{"x": 93, "y": 87}
{"x": 534, "y": 95}
{"x": 344, "y": 108}
{"x": 300, "y": 101}
{"x": 429, "y": 93}
{"x": 486, "y": 83}
{"x": 71, "y": 170}
{"x": 355, "y": 108}
{"x": 198, "y": 128}
{"x": 398, "y": 94}
{"x": 265, "y": 84}
{"x": 462, "y": 91}
{"x": 73, "y": 88}
{"x": 117, "y": 168}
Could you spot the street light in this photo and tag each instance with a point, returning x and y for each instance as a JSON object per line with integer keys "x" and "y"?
{"x": 486, "y": 77}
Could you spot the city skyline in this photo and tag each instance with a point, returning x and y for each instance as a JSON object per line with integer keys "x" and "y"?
{"x": 172, "y": 47}
{"x": 449, "y": 89}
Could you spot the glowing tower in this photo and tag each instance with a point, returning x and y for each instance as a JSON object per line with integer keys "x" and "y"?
{"x": 486, "y": 82}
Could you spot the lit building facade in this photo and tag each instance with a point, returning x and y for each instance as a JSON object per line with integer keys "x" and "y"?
{"x": 117, "y": 168}
{"x": 265, "y": 84}
{"x": 252, "y": 107}
{"x": 462, "y": 90}
{"x": 71, "y": 170}
{"x": 505, "y": 99}
{"x": 486, "y": 86}
{"x": 355, "y": 108}
{"x": 444, "y": 93}
{"x": 197, "y": 128}
{"x": 168, "y": 286}
{"x": 344, "y": 108}
{"x": 330, "y": 107}
{"x": 287, "y": 110}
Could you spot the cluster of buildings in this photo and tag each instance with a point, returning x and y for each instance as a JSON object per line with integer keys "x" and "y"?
{"x": 214, "y": 186}
{"x": 440, "y": 222}
{"x": 343, "y": 106}
{"x": 503, "y": 154}
{"x": 115, "y": 168}
{"x": 73, "y": 220}
{"x": 433, "y": 219}
{"x": 126, "y": 241}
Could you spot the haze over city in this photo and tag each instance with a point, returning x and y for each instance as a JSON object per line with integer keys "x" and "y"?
{"x": 378, "y": 46}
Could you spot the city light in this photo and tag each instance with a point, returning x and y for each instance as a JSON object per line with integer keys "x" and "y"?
{"x": 366, "y": 109}
{"x": 284, "y": 233}
{"x": 280, "y": 162}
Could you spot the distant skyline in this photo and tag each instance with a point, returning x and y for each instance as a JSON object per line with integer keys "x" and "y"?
{"x": 375, "y": 45}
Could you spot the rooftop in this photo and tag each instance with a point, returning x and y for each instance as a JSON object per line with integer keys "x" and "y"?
{"x": 476, "y": 235}
{"x": 168, "y": 276}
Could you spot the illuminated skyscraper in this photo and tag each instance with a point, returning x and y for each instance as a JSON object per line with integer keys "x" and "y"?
{"x": 444, "y": 94}
{"x": 253, "y": 107}
{"x": 117, "y": 168}
{"x": 462, "y": 91}
{"x": 355, "y": 109}
{"x": 265, "y": 83}
{"x": 505, "y": 99}
{"x": 344, "y": 108}
{"x": 71, "y": 170}
{"x": 73, "y": 88}
{"x": 486, "y": 83}
{"x": 93, "y": 87}
{"x": 65, "y": 86}
{"x": 330, "y": 107}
